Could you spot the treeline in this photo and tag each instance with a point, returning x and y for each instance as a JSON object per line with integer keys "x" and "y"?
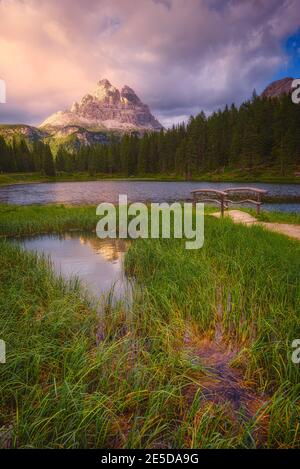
{"x": 261, "y": 133}
{"x": 19, "y": 157}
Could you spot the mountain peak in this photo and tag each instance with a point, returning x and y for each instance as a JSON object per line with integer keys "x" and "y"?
{"x": 129, "y": 96}
{"x": 104, "y": 82}
{"x": 107, "y": 108}
{"x": 278, "y": 87}
{"x": 105, "y": 92}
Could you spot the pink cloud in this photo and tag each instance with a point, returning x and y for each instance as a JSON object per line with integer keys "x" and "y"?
{"x": 180, "y": 56}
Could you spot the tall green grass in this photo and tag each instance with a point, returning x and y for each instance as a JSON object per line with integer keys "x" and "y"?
{"x": 63, "y": 388}
{"x": 16, "y": 220}
{"x": 255, "y": 277}
{"x": 59, "y": 388}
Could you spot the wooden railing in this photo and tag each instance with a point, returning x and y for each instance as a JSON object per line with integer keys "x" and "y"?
{"x": 238, "y": 195}
{"x": 210, "y": 195}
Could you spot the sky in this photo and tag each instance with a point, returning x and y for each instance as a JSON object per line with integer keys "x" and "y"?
{"x": 180, "y": 56}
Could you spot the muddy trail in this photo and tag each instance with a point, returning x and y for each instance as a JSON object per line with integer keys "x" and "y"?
{"x": 223, "y": 384}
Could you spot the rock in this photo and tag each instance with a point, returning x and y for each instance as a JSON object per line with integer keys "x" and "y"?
{"x": 106, "y": 108}
{"x": 278, "y": 88}
{"x": 21, "y": 131}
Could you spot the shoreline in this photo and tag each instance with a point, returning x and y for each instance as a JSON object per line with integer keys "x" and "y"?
{"x": 32, "y": 178}
{"x": 51, "y": 218}
{"x": 269, "y": 198}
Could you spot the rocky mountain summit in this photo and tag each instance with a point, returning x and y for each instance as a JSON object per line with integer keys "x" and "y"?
{"x": 106, "y": 108}
{"x": 278, "y": 87}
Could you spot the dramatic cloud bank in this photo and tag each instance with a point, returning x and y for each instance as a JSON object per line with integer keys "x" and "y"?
{"x": 180, "y": 56}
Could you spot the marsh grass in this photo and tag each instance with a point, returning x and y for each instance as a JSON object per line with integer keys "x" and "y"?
{"x": 141, "y": 385}
{"x": 275, "y": 217}
{"x": 253, "y": 277}
{"x": 36, "y": 219}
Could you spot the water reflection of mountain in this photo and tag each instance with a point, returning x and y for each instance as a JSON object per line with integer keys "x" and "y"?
{"x": 98, "y": 263}
{"x": 110, "y": 249}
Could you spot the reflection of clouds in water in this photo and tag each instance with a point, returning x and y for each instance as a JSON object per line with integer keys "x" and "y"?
{"x": 98, "y": 263}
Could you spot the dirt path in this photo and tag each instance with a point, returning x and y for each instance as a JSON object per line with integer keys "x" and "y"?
{"x": 238, "y": 216}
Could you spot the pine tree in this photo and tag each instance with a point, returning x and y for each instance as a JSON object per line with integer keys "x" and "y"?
{"x": 47, "y": 161}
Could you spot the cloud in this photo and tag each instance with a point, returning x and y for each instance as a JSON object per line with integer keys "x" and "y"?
{"x": 180, "y": 56}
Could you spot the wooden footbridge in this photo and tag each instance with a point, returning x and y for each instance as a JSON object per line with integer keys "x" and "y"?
{"x": 236, "y": 195}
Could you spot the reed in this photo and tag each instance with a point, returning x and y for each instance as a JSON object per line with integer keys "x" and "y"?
{"x": 144, "y": 384}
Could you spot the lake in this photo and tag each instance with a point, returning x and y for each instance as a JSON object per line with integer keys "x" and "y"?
{"x": 95, "y": 192}
{"x": 98, "y": 263}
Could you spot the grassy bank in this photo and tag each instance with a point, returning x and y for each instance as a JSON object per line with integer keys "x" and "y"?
{"x": 19, "y": 220}
{"x": 274, "y": 217}
{"x": 226, "y": 176}
{"x": 145, "y": 383}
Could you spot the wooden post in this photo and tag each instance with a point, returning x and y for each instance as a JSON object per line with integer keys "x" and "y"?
{"x": 194, "y": 200}
{"x": 258, "y": 205}
{"x": 222, "y": 205}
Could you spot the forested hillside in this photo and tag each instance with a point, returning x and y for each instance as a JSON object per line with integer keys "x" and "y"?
{"x": 19, "y": 156}
{"x": 263, "y": 132}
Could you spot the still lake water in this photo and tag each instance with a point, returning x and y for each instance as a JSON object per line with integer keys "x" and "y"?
{"x": 97, "y": 263}
{"x": 95, "y": 192}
